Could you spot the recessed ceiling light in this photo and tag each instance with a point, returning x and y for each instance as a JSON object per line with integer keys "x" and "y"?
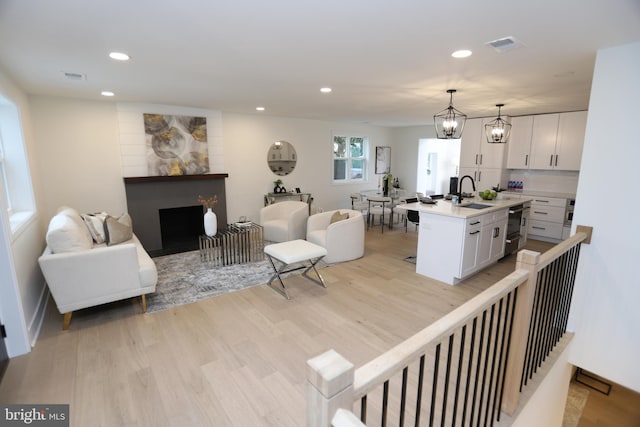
{"x": 119, "y": 56}
{"x": 461, "y": 53}
{"x": 107, "y": 93}
{"x": 260, "y": 108}
{"x": 325, "y": 89}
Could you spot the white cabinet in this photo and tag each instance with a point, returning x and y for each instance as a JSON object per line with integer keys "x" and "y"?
{"x": 547, "y": 218}
{"x": 464, "y": 246}
{"x": 557, "y": 139}
{"x": 470, "y": 246}
{"x": 483, "y": 161}
{"x": 519, "y": 145}
{"x": 571, "y": 131}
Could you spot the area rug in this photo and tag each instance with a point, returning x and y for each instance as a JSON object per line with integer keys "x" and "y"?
{"x": 576, "y": 401}
{"x": 183, "y": 279}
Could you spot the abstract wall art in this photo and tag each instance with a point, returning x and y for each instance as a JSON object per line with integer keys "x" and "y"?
{"x": 176, "y": 145}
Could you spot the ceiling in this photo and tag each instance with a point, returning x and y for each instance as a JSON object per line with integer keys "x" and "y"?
{"x": 387, "y": 62}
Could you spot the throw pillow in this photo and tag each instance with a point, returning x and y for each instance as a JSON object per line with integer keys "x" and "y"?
{"x": 337, "y": 216}
{"x": 117, "y": 230}
{"x": 67, "y": 235}
{"x": 95, "y": 224}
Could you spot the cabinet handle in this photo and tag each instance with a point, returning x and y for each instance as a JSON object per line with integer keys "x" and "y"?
{"x": 480, "y": 158}
{"x": 551, "y": 160}
{"x": 524, "y": 222}
{"x": 475, "y": 232}
{"x": 556, "y": 160}
{"x": 541, "y": 213}
{"x": 476, "y": 159}
{"x": 475, "y": 175}
{"x": 526, "y": 160}
{"x": 538, "y": 228}
{"x": 496, "y": 232}
{"x": 542, "y": 201}
{"x": 475, "y": 223}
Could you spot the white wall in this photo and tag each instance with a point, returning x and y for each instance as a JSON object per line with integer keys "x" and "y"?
{"x": 404, "y": 159}
{"x": 79, "y": 155}
{"x": 605, "y": 312}
{"x": 22, "y": 290}
{"x": 80, "y": 158}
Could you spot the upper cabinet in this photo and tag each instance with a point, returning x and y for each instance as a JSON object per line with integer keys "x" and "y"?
{"x": 571, "y": 131}
{"x": 554, "y": 140}
{"x": 475, "y": 151}
{"x": 520, "y": 143}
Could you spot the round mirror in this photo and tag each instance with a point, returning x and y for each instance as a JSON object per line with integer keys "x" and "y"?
{"x": 281, "y": 158}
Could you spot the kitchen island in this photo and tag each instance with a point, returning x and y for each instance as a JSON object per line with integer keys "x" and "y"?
{"x": 456, "y": 241}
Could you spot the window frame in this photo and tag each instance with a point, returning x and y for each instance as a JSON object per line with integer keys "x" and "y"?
{"x": 349, "y": 158}
{"x": 4, "y": 177}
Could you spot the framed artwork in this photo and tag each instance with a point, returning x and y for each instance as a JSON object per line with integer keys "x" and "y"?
{"x": 176, "y": 145}
{"x": 383, "y": 160}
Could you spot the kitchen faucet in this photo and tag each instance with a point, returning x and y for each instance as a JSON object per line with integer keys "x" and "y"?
{"x": 473, "y": 185}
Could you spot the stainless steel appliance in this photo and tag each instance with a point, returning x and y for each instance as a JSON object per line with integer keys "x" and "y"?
{"x": 516, "y": 214}
{"x": 568, "y": 214}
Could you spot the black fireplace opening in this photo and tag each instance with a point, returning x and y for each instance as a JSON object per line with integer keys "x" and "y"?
{"x": 179, "y": 229}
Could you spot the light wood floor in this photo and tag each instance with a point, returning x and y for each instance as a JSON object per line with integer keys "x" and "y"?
{"x": 238, "y": 359}
{"x": 621, "y": 408}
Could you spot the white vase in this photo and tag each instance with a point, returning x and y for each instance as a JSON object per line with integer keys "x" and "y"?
{"x": 210, "y": 223}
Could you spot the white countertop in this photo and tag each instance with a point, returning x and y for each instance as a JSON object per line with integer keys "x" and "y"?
{"x": 445, "y": 207}
{"x": 540, "y": 194}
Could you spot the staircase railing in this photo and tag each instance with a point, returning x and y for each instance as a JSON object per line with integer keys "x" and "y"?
{"x": 466, "y": 368}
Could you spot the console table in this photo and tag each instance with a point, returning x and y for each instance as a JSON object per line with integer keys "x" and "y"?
{"x": 237, "y": 244}
{"x": 271, "y": 198}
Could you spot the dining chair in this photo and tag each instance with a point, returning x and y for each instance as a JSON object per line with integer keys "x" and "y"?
{"x": 381, "y": 206}
{"x": 411, "y": 216}
{"x": 357, "y": 204}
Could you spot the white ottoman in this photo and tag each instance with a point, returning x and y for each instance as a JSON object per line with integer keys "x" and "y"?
{"x": 292, "y": 252}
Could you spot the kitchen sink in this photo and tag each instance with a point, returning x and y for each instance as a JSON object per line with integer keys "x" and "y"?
{"x": 476, "y": 206}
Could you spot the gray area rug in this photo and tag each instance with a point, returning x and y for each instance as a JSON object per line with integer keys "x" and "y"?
{"x": 184, "y": 279}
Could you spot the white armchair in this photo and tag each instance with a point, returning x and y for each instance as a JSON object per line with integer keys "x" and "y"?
{"x": 343, "y": 240}
{"x": 284, "y": 221}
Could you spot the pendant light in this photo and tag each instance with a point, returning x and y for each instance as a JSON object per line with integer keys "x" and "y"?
{"x": 450, "y": 121}
{"x": 498, "y": 130}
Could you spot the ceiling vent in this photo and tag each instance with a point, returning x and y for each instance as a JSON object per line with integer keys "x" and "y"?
{"x": 74, "y": 76}
{"x": 504, "y": 44}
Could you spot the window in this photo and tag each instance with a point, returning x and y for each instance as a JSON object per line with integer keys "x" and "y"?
{"x": 15, "y": 190}
{"x": 3, "y": 178}
{"x": 349, "y": 158}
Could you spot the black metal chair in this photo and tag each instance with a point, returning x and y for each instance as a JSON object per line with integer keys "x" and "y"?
{"x": 411, "y": 216}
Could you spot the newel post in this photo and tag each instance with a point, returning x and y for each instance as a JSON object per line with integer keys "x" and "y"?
{"x": 329, "y": 387}
{"x": 527, "y": 260}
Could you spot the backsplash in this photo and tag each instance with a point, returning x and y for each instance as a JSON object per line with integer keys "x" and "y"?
{"x": 547, "y": 181}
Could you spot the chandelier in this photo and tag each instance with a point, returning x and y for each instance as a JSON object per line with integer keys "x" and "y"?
{"x": 450, "y": 121}
{"x": 498, "y": 130}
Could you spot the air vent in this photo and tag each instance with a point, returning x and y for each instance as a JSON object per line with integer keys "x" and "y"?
{"x": 504, "y": 44}
{"x": 74, "y": 76}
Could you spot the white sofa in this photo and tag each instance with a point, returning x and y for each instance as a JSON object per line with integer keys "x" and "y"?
{"x": 284, "y": 221}
{"x": 343, "y": 240}
{"x": 83, "y": 274}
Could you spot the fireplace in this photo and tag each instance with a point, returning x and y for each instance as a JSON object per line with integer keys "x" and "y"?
{"x": 180, "y": 228}
{"x": 150, "y": 198}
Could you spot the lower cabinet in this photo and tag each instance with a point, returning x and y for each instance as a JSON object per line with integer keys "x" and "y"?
{"x": 451, "y": 249}
{"x": 547, "y": 218}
